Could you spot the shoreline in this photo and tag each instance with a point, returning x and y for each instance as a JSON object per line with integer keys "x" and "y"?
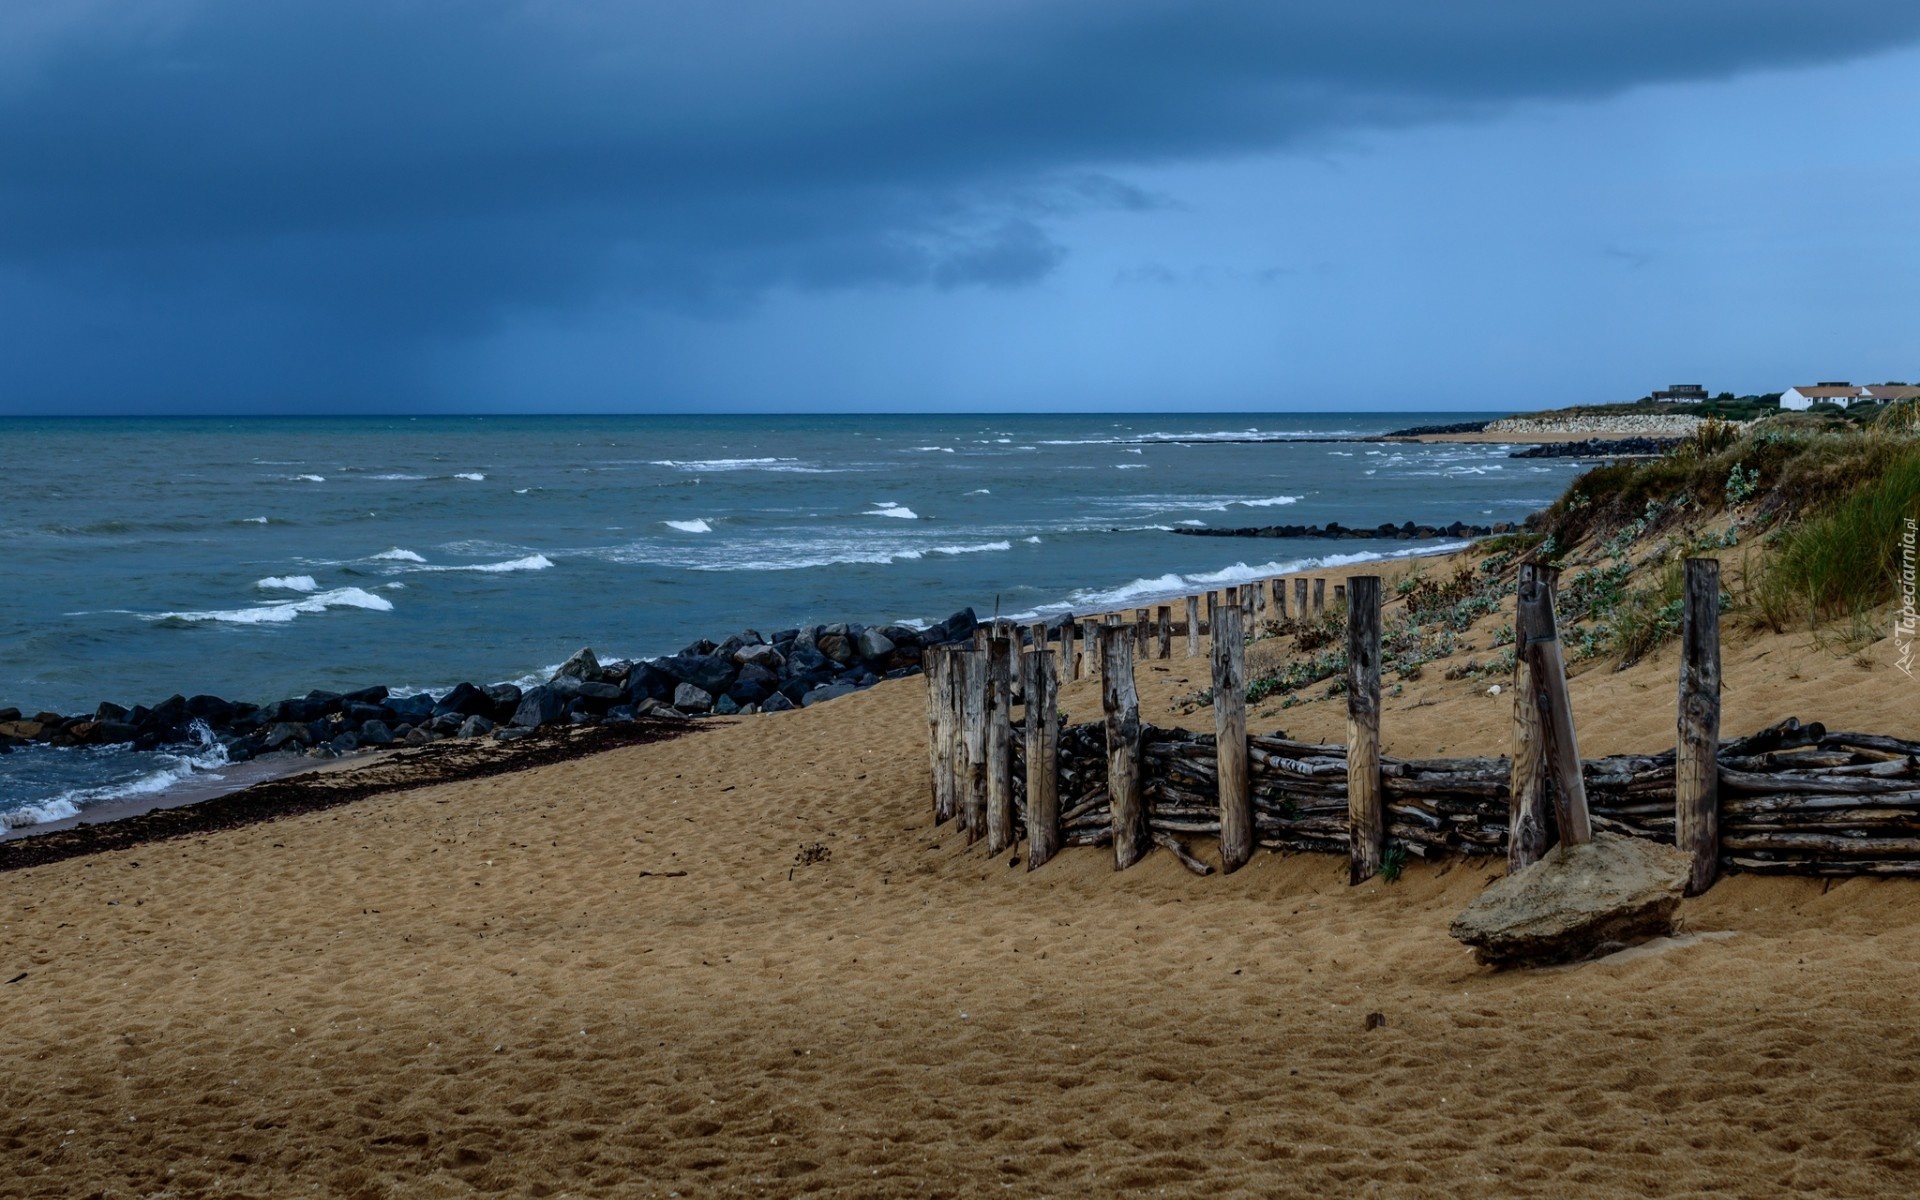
{"x": 267, "y": 774}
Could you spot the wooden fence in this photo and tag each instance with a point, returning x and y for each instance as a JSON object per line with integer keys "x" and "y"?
{"x": 1792, "y": 798}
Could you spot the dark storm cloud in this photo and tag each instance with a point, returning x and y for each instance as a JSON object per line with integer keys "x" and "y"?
{"x": 406, "y": 171}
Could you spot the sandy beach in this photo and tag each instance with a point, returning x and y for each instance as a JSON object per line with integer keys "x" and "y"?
{"x": 745, "y": 962}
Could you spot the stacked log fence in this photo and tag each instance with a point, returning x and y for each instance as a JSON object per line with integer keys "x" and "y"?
{"x": 1793, "y": 798}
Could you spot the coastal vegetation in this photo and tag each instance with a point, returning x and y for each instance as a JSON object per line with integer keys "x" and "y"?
{"x": 1805, "y": 516}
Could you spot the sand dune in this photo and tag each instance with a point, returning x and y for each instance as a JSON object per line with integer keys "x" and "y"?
{"x": 610, "y": 977}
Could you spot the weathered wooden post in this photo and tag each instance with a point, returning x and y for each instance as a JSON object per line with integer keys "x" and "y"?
{"x": 1278, "y": 587}
{"x": 1069, "y": 656}
{"x": 1043, "y": 759}
{"x": 1319, "y": 595}
{"x": 1163, "y": 633}
{"x": 1300, "y": 599}
{"x": 1696, "y": 766}
{"x": 1256, "y": 594}
{"x": 1339, "y": 595}
{"x": 1366, "y": 811}
{"x": 999, "y": 715}
{"x": 1230, "y": 739}
{"x": 933, "y": 664}
{"x": 1122, "y": 706}
{"x": 1089, "y": 647}
{"x": 1193, "y": 626}
{"x": 1142, "y": 631}
{"x": 973, "y": 728}
{"x": 1549, "y": 683}
{"x": 1527, "y": 782}
{"x": 1248, "y": 597}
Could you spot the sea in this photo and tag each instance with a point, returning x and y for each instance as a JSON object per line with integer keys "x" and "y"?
{"x": 260, "y": 558}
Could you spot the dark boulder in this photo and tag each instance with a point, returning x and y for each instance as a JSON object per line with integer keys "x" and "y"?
{"x": 376, "y": 694}
{"x": 872, "y": 644}
{"x": 467, "y": 700}
{"x": 109, "y": 733}
{"x": 376, "y": 734}
{"x": 806, "y": 663}
{"x": 475, "y": 726}
{"x": 108, "y": 711}
{"x": 646, "y": 682}
{"x": 708, "y": 672}
{"x": 539, "y": 706}
{"x": 776, "y": 703}
{"x": 725, "y": 706}
{"x": 288, "y": 735}
{"x": 830, "y": 691}
{"x": 690, "y": 699}
{"x": 755, "y": 683}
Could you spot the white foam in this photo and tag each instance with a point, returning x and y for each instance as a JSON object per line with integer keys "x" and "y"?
{"x": 1129, "y": 466}
{"x": 280, "y": 614}
{"x": 1172, "y": 585}
{"x": 474, "y": 476}
{"x": 310, "y": 478}
{"x": 697, "y": 525}
{"x": 887, "y": 508}
{"x": 933, "y": 449}
{"x": 532, "y": 562}
{"x": 1190, "y": 521}
{"x": 206, "y": 755}
{"x": 398, "y": 555}
{"x": 289, "y": 583}
{"x": 1032, "y": 541}
{"x": 791, "y": 466}
{"x": 980, "y": 492}
{"x": 253, "y": 520}
{"x": 1269, "y": 502}
{"x": 394, "y": 478}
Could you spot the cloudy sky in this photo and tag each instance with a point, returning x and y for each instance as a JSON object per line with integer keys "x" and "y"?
{"x": 900, "y": 205}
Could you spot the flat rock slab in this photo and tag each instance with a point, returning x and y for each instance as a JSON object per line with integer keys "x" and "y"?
{"x": 1577, "y": 900}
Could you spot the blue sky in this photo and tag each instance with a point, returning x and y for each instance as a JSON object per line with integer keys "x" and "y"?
{"x": 463, "y": 206}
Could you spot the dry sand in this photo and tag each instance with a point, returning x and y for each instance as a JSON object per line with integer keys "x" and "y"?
{"x": 610, "y": 977}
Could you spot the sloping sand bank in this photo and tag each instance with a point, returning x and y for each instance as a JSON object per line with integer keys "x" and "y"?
{"x": 610, "y": 977}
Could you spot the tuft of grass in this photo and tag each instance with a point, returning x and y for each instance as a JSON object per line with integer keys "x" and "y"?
{"x": 1843, "y": 561}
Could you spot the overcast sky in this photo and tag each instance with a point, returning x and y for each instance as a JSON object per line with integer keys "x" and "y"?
{"x": 903, "y": 205}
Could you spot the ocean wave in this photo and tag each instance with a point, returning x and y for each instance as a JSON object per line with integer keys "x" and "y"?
{"x": 1170, "y": 585}
{"x": 1191, "y": 521}
{"x": 787, "y": 466}
{"x": 472, "y": 476}
{"x": 280, "y": 614}
{"x": 532, "y": 562}
{"x": 307, "y": 478}
{"x": 1269, "y": 502}
{"x": 397, "y": 478}
{"x": 288, "y": 583}
{"x": 1130, "y": 466}
{"x": 397, "y": 555}
{"x": 931, "y": 449}
{"x": 697, "y": 525}
{"x": 1032, "y": 541}
{"x": 887, "y": 508}
{"x": 980, "y": 492}
{"x": 205, "y": 756}
{"x": 252, "y": 521}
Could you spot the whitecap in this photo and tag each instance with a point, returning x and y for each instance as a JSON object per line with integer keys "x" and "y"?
{"x": 1190, "y": 521}
{"x": 280, "y": 614}
{"x": 532, "y": 562}
{"x": 1269, "y": 502}
{"x": 394, "y": 478}
{"x": 1129, "y": 466}
{"x": 288, "y": 583}
{"x": 309, "y": 478}
{"x": 697, "y": 525}
{"x": 980, "y": 492}
{"x": 887, "y": 508}
{"x": 474, "y": 476}
{"x": 1032, "y": 541}
{"x": 398, "y": 555}
{"x": 253, "y": 520}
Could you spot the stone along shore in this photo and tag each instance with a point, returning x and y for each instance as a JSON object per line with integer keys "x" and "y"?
{"x": 746, "y": 673}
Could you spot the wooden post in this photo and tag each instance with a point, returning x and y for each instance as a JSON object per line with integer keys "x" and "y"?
{"x": 1089, "y": 648}
{"x": 933, "y": 664}
{"x": 1279, "y": 589}
{"x": 1319, "y": 595}
{"x": 1230, "y": 740}
{"x": 1122, "y": 706}
{"x": 1696, "y": 767}
{"x": 1256, "y": 594}
{"x": 1549, "y": 683}
{"x": 1299, "y": 599}
{"x": 1043, "y": 759}
{"x": 1366, "y": 812}
{"x": 1339, "y": 594}
{"x": 999, "y": 714}
{"x": 1069, "y": 656}
{"x": 958, "y": 779}
{"x": 1193, "y": 626}
{"x": 1248, "y": 597}
{"x": 1163, "y": 634}
{"x": 1527, "y": 783}
{"x": 973, "y": 732}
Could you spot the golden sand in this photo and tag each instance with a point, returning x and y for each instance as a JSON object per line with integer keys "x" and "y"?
{"x": 610, "y": 977}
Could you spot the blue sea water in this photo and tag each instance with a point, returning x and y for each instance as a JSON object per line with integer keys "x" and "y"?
{"x": 261, "y": 558}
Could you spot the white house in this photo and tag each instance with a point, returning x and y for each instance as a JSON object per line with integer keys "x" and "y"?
{"x": 1842, "y": 394}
